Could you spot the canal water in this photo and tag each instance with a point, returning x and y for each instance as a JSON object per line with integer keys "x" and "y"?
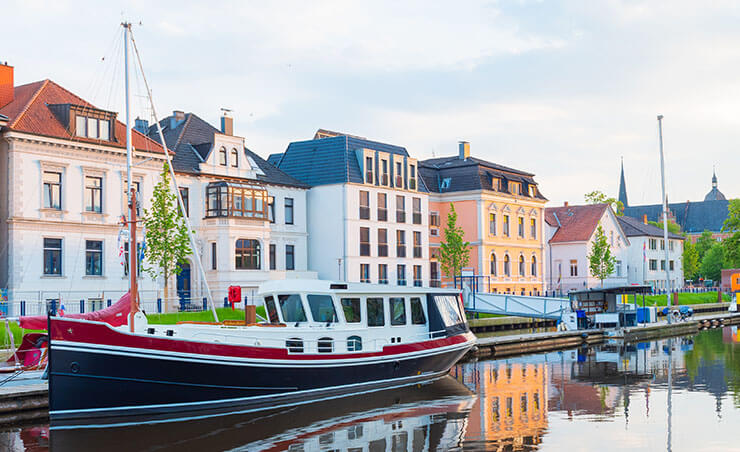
{"x": 676, "y": 394}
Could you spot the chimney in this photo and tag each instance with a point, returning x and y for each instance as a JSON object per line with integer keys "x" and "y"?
{"x": 644, "y": 218}
{"x": 227, "y": 123}
{"x": 565, "y": 204}
{"x": 464, "y": 148}
{"x": 7, "y": 92}
{"x": 142, "y": 125}
{"x": 177, "y": 117}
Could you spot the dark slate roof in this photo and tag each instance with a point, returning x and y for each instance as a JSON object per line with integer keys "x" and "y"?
{"x": 633, "y": 227}
{"x": 472, "y": 174}
{"x": 274, "y": 159}
{"x": 192, "y": 140}
{"x": 692, "y": 217}
{"x": 331, "y": 160}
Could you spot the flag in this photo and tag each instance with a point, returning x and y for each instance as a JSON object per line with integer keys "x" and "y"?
{"x": 61, "y": 309}
{"x": 644, "y": 252}
{"x": 143, "y": 245}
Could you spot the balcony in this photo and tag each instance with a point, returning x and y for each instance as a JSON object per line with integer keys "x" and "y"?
{"x": 412, "y": 184}
{"x": 364, "y": 249}
{"x": 230, "y": 199}
{"x": 401, "y": 251}
{"x": 399, "y": 181}
{"x": 382, "y": 214}
{"x": 400, "y": 216}
{"x": 417, "y": 217}
{"x": 383, "y": 250}
{"x": 417, "y": 251}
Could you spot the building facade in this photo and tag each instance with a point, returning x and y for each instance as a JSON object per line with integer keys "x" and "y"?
{"x": 570, "y": 233}
{"x": 501, "y": 212}
{"x": 367, "y": 209}
{"x": 646, "y": 255}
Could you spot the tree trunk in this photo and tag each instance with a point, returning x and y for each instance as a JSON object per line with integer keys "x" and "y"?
{"x": 166, "y": 293}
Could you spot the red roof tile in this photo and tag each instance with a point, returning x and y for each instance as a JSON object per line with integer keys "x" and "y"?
{"x": 575, "y": 223}
{"x": 29, "y": 112}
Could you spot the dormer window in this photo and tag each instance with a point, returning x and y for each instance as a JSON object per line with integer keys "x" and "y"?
{"x": 495, "y": 184}
{"x": 222, "y": 156}
{"x": 445, "y": 183}
{"x": 235, "y": 158}
{"x": 532, "y": 190}
{"x": 368, "y": 170}
{"x": 412, "y": 177}
{"x": 384, "y": 174}
{"x": 399, "y": 175}
{"x": 92, "y": 128}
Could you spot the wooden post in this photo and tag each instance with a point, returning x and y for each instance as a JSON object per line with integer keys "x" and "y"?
{"x": 250, "y": 314}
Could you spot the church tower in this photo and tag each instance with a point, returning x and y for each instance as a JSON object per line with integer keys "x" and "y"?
{"x": 714, "y": 194}
{"x": 623, "y": 188}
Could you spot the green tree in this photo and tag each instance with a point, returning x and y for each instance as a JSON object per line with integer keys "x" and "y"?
{"x": 454, "y": 252}
{"x": 703, "y": 243}
{"x": 601, "y": 261}
{"x": 673, "y": 227}
{"x": 597, "y": 197}
{"x": 690, "y": 258}
{"x": 732, "y": 243}
{"x": 713, "y": 262}
{"x": 167, "y": 241}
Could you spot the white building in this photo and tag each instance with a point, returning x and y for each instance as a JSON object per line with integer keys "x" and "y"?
{"x": 646, "y": 254}
{"x": 367, "y": 209}
{"x": 570, "y": 232}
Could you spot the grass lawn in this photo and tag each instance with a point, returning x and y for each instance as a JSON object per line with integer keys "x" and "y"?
{"x": 683, "y": 298}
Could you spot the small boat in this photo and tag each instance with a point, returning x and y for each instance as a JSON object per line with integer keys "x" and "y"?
{"x": 321, "y": 340}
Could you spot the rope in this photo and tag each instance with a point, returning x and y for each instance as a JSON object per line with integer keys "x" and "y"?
{"x": 12, "y": 341}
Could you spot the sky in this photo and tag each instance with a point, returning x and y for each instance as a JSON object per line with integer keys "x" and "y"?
{"x": 563, "y": 90}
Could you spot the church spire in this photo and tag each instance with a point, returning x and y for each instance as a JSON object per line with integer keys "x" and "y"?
{"x": 623, "y": 188}
{"x": 714, "y": 178}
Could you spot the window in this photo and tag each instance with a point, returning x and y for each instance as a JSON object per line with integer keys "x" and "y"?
{"x": 417, "y": 312}
{"x": 384, "y": 174}
{"x": 417, "y": 244}
{"x": 52, "y": 256}
{"x": 573, "y": 267}
{"x": 290, "y": 257}
{"x": 125, "y": 258}
{"x": 401, "y": 274}
{"x": 273, "y": 256}
{"x": 416, "y": 205}
{"x": 417, "y": 275}
{"x": 271, "y": 209}
{"x": 364, "y": 241}
{"x": 222, "y": 156}
{"x": 80, "y": 126}
{"x": 492, "y": 223}
{"x": 670, "y": 245}
{"x": 662, "y": 245}
{"x": 399, "y": 175}
{"x": 493, "y": 265}
{"x": 365, "y": 273}
{"x": 351, "y": 308}
{"x": 382, "y": 273}
{"x": 235, "y": 158}
{"x": 288, "y": 210}
{"x": 533, "y": 227}
{"x": 272, "y": 310}
{"x": 247, "y": 254}
{"x": 354, "y": 344}
{"x": 515, "y": 188}
{"x": 495, "y": 184}
{"x": 93, "y": 194}
{"x": 369, "y": 170}
{"x": 449, "y": 310}
{"x": 398, "y": 311}
{"x": 400, "y": 209}
{"x": 292, "y": 308}
{"x": 412, "y": 177}
{"x": 618, "y": 268}
{"x": 520, "y": 227}
{"x": 534, "y": 266}
{"x": 322, "y": 308}
{"x": 136, "y": 185}
{"x": 532, "y": 190}
{"x": 104, "y": 126}
{"x": 185, "y": 195}
{"x": 670, "y": 265}
{"x": 382, "y": 207}
{"x": 364, "y": 205}
{"x": 434, "y": 219}
{"x": 653, "y": 244}
{"x": 232, "y": 199}
{"x": 375, "y": 314}
{"x": 294, "y": 345}
{"x": 507, "y": 265}
{"x": 52, "y": 190}
{"x": 662, "y": 265}
{"x": 400, "y": 243}
{"x": 445, "y": 183}
{"x": 383, "y": 242}
{"x": 92, "y": 128}
{"x": 506, "y": 225}
{"x": 434, "y": 274}
{"x": 653, "y": 264}
{"x": 214, "y": 257}
{"x": 94, "y": 257}
{"x": 521, "y": 265}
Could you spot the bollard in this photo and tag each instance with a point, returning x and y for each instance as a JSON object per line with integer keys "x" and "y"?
{"x": 82, "y": 306}
{"x": 159, "y": 305}
{"x": 23, "y": 307}
{"x": 109, "y": 302}
{"x": 205, "y": 303}
{"x": 53, "y": 307}
{"x": 226, "y": 302}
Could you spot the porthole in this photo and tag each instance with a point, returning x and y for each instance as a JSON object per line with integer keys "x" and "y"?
{"x": 326, "y": 345}
{"x": 354, "y": 343}
{"x": 294, "y": 345}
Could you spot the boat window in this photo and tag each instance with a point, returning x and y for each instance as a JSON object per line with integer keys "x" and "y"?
{"x": 292, "y": 308}
{"x": 417, "y": 312}
{"x": 294, "y": 345}
{"x": 354, "y": 343}
{"x": 271, "y": 310}
{"x": 326, "y": 345}
{"x": 322, "y": 308}
{"x": 449, "y": 309}
{"x": 375, "y": 314}
{"x": 351, "y": 308}
{"x": 398, "y": 311}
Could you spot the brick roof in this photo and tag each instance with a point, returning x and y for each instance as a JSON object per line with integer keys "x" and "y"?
{"x": 29, "y": 112}
{"x": 574, "y": 223}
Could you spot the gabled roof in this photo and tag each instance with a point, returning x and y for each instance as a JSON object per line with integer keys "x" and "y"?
{"x": 574, "y": 223}
{"x": 192, "y": 140}
{"x": 692, "y": 217}
{"x": 331, "y": 160}
{"x": 29, "y": 112}
{"x": 453, "y": 174}
{"x": 633, "y": 227}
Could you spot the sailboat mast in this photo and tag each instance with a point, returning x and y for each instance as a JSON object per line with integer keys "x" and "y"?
{"x": 130, "y": 192}
{"x": 665, "y": 214}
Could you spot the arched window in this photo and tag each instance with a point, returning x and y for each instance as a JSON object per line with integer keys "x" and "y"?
{"x": 326, "y": 345}
{"x": 493, "y": 264}
{"x": 534, "y": 266}
{"x": 234, "y": 158}
{"x": 248, "y": 254}
{"x": 222, "y": 156}
{"x": 507, "y": 266}
{"x": 354, "y": 344}
{"x": 521, "y": 265}
{"x": 294, "y": 345}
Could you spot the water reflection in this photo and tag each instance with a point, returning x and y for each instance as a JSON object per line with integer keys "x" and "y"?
{"x": 674, "y": 394}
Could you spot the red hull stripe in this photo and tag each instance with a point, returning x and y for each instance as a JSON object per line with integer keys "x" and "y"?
{"x": 103, "y": 334}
